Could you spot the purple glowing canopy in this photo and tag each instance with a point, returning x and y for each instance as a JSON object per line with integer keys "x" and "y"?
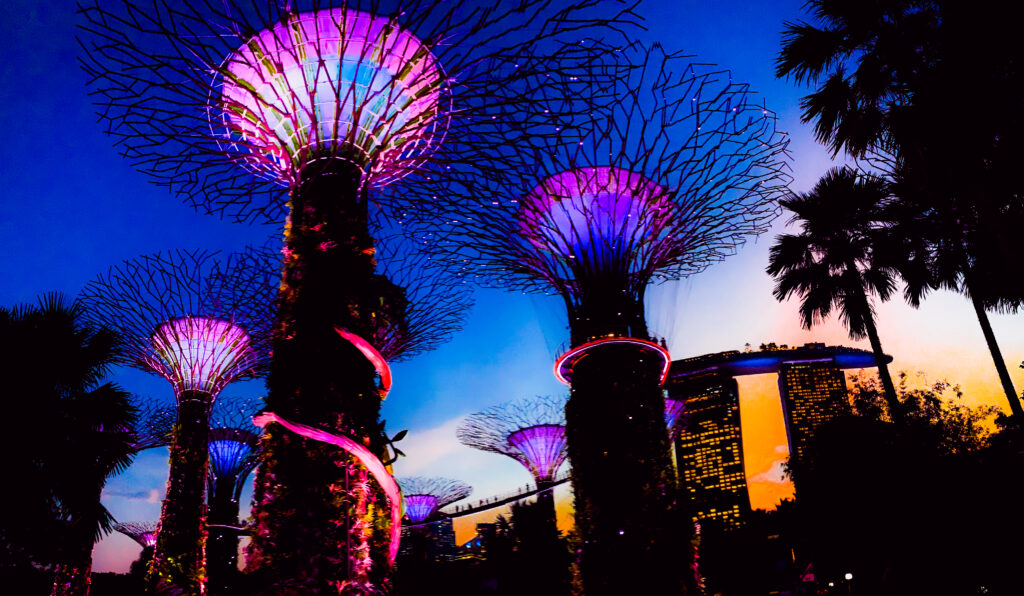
{"x": 530, "y": 431}
{"x": 596, "y": 215}
{"x": 424, "y": 496}
{"x": 201, "y": 354}
{"x": 142, "y": 532}
{"x": 543, "y": 449}
{"x": 333, "y": 82}
{"x": 420, "y": 507}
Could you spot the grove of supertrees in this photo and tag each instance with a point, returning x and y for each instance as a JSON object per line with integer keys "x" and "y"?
{"x": 234, "y": 454}
{"x": 532, "y": 432}
{"x": 181, "y": 318}
{"x": 669, "y": 177}
{"x": 307, "y": 109}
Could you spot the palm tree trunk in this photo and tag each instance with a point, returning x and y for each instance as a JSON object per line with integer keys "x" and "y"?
{"x": 997, "y": 357}
{"x": 895, "y": 409}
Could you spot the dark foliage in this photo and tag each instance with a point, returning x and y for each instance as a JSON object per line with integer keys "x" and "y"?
{"x": 68, "y": 433}
{"x": 924, "y": 505}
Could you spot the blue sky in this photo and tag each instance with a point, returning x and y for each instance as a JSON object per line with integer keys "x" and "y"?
{"x": 70, "y": 207}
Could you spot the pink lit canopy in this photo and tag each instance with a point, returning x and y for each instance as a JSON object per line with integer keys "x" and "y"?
{"x": 332, "y": 83}
{"x": 201, "y": 354}
{"x": 543, "y": 449}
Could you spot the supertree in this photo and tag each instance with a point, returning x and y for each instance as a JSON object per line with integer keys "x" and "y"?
{"x": 532, "y": 432}
{"x": 142, "y": 532}
{"x": 670, "y": 177}
{"x": 425, "y": 496}
{"x": 234, "y": 454}
{"x": 259, "y": 108}
{"x": 178, "y": 320}
{"x": 154, "y": 426}
{"x": 674, "y": 409}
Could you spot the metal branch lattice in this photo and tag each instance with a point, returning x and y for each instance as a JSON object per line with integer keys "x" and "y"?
{"x": 155, "y": 422}
{"x": 670, "y": 177}
{"x": 531, "y": 431}
{"x": 424, "y": 496}
{"x": 142, "y": 532}
{"x": 179, "y": 320}
{"x": 227, "y": 103}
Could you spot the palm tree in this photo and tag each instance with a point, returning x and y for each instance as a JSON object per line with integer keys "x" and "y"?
{"x": 886, "y": 72}
{"x": 67, "y": 432}
{"x": 837, "y": 261}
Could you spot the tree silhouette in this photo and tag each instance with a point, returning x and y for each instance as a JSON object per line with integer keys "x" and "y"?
{"x": 886, "y": 72}
{"x": 69, "y": 432}
{"x": 839, "y": 259}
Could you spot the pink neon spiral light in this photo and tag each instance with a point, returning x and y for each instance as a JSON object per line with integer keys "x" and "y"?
{"x": 328, "y": 81}
{"x": 564, "y": 364}
{"x": 371, "y": 353}
{"x": 364, "y": 455}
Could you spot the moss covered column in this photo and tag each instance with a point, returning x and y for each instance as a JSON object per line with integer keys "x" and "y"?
{"x": 179, "y": 556}
{"x": 634, "y": 537}
{"x": 305, "y": 508}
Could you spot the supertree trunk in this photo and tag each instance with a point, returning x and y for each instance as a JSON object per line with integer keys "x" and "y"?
{"x": 222, "y": 550}
{"x": 179, "y": 556}
{"x": 304, "y": 508}
{"x": 622, "y": 476}
{"x": 550, "y": 556}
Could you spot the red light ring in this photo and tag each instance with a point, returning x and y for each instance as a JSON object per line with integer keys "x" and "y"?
{"x": 371, "y": 353}
{"x": 564, "y": 364}
{"x": 364, "y": 455}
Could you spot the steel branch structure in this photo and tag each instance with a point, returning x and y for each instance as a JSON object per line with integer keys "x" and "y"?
{"x": 670, "y": 177}
{"x": 425, "y": 496}
{"x": 530, "y": 431}
{"x": 307, "y": 109}
{"x": 155, "y": 423}
{"x": 142, "y": 532}
{"x": 197, "y": 321}
{"x": 234, "y": 454}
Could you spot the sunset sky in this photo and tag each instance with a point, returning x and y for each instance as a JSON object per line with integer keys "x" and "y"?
{"x": 72, "y": 207}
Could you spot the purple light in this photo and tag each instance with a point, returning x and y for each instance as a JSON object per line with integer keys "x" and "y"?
{"x": 200, "y": 354}
{"x": 595, "y": 215}
{"x": 673, "y": 410}
{"x": 543, "y": 448}
{"x": 332, "y": 82}
{"x": 420, "y": 507}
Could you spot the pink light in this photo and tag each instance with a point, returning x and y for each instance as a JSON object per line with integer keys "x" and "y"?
{"x": 335, "y": 82}
{"x": 564, "y": 364}
{"x": 200, "y": 354}
{"x": 364, "y": 455}
{"x": 543, "y": 447}
{"x": 595, "y": 215}
{"x": 371, "y": 353}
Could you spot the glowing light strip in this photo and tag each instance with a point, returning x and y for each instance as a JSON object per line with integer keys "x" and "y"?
{"x": 563, "y": 366}
{"x": 364, "y": 455}
{"x": 373, "y": 356}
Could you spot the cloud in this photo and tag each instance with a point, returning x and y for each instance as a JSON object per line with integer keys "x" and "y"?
{"x": 153, "y": 495}
{"x": 776, "y": 474}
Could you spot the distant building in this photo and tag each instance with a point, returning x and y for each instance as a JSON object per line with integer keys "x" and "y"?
{"x": 709, "y": 448}
{"x": 432, "y": 542}
{"x": 812, "y": 394}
